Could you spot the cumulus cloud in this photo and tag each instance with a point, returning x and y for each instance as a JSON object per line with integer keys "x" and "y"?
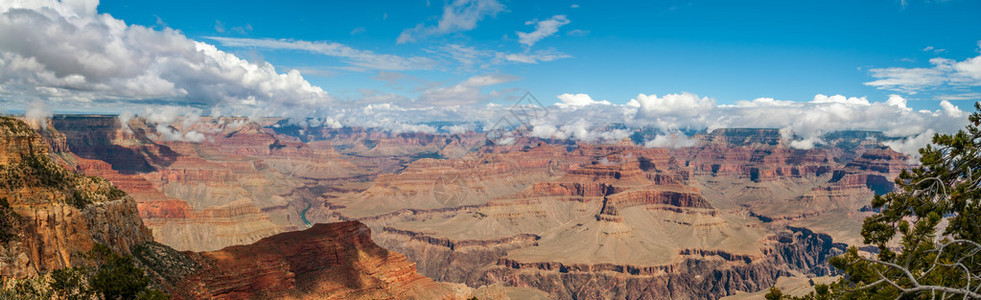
{"x": 458, "y": 15}
{"x": 360, "y": 58}
{"x": 578, "y": 100}
{"x": 67, "y": 52}
{"x": 164, "y": 120}
{"x": 543, "y": 29}
{"x": 802, "y": 124}
{"x": 579, "y": 129}
{"x": 760, "y": 102}
{"x": 673, "y": 111}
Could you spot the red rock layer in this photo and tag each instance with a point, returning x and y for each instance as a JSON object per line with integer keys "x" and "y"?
{"x": 689, "y": 198}
{"x": 152, "y": 202}
{"x": 332, "y": 261}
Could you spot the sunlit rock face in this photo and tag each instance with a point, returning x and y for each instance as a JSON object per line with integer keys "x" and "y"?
{"x": 732, "y": 213}
{"x": 332, "y": 261}
{"x": 54, "y": 215}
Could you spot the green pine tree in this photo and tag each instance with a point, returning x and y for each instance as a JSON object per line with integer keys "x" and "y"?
{"x": 928, "y": 232}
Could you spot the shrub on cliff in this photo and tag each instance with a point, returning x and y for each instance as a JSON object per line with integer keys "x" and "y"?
{"x": 35, "y": 170}
{"x": 936, "y": 215}
{"x": 107, "y": 276}
{"x": 71, "y": 283}
{"x": 27, "y": 289}
{"x": 38, "y": 171}
{"x": 8, "y": 222}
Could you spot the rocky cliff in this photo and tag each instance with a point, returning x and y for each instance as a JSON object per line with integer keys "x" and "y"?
{"x": 59, "y": 214}
{"x": 327, "y": 261}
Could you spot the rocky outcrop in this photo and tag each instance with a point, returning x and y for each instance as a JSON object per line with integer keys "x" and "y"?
{"x": 61, "y": 214}
{"x": 93, "y": 136}
{"x": 653, "y": 197}
{"x": 744, "y": 137}
{"x": 332, "y": 261}
{"x": 521, "y": 239}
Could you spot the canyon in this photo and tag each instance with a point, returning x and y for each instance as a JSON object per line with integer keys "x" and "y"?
{"x": 576, "y": 220}
{"x": 54, "y": 218}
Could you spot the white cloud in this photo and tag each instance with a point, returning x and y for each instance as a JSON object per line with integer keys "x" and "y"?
{"x": 124, "y": 118}
{"x": 577, "y": 32}
{"x": 802, "y": 123}
{"x": 168, "y": 133}
{"x": 912, "y": 144}
{"x": 37, "y": 114}
{"x": 973, "y": 96}
{"x": 456, "y": 129}
{"x": 673, "y": 111}
{"x": 465, "y": 55}
{"x": 673, "y": 140}
{"x": 807, "y": 143}
{"x": 950, "y": 110}
{"x": 819, "y": 98}
{"x": 543, "y": 29}
{"x": 403, "y": 127}
{"x": 758, "y": 102}
{"x": 534, "y": 57}
{"x": 459, "y": 15}
{"x": 470, "y": 57}
{"x": 945, "y": 74}
{"x": 463, "y": 93}
{"x": 486, "y": 80}
{"x": 580, "y": 129}
{"x": 360, "y": 58}
{"x": 935, "y": 50}
{"x": 578, "y": 100}
{"x": 897, "y": 101}
{"x": 65, "y": 52}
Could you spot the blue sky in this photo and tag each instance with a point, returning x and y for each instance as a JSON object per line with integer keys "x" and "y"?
{"x": 728, "y": 50}
{"x": 906, "y": 68}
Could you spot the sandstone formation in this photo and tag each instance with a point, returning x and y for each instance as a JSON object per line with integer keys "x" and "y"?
{"x": 327, "y": 261}
{"x": 59, "y": 214}
{"x": 578, "y": 220}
